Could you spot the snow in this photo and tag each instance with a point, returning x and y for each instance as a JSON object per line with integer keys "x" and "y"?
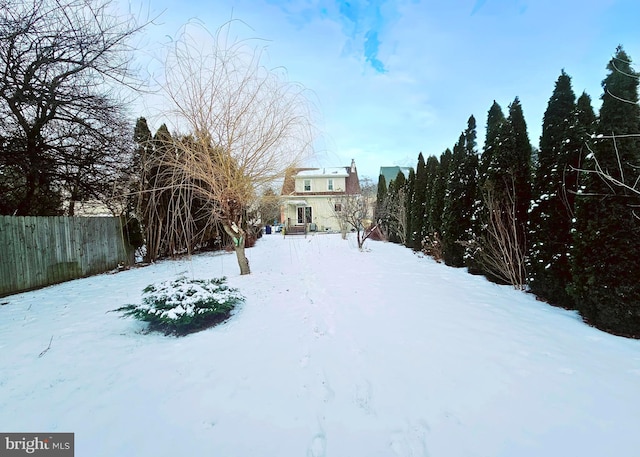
{"x": 335, "y": 352}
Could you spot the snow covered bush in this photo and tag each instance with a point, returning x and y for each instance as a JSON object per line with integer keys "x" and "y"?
{"x": 183, "y": 305}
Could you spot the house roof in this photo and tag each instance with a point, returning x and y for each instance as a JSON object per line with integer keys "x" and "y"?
{"x": 325, "y": 172}
{"x": 390, "y": 173}
{"x": 350, "y": 173}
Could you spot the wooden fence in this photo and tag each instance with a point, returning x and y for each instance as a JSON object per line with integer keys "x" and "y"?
{"x": 40, "y": 251}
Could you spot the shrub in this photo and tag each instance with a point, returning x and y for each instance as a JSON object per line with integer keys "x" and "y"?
{"x": 432, "y": 246}
{"x": 184, "y": 306}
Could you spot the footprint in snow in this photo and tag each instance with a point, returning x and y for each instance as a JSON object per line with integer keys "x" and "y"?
{"x": 363, "y": 397}
{"x": 318, "y": 446}
{"x": 411, "y": 442}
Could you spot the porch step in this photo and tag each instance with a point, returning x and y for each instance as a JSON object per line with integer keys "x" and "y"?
{"x": 295, "y": 230}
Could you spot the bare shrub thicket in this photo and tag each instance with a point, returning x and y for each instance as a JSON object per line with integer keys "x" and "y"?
{"x": 432, "y": 246}
{"x": 500, "y": 250}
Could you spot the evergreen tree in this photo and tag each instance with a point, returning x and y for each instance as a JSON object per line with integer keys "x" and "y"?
{"x": 381, "y": 216}
{"x": 554, "y": 190}
{"x": 396, "y": 207}
{"x": 409, "y": 208}
{"x": 493, "y": 144}
{"x": 433, "y": 165}
{"x": 606, "y": 248}
{"x": 381, "y": 195}
{"x": 418, "y": 205}
{"x": 136, "y": 197}
{"x": 460, "y": 196}
{"x": 436, "y": 205}
{"x": 518, "y": 164}
{"x": 505, "y": 177}
{"x": 142, "y": 139}
{"x": 400, "y": 182}
{"x": 155, "y": 211}
{"x": 586, "y": 117}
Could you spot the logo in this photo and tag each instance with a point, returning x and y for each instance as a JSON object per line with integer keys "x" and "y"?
{"x": 36, "y": 444}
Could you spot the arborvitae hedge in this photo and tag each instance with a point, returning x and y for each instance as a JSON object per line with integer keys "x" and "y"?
{"x": 418, "y": 205}
{"x": 606, "y": 282}
{"x": 460, "y": 196}
{"x": 554, "y": 192}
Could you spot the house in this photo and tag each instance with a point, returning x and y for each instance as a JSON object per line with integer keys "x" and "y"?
{"x": 309, "y": 197}
{"x": 390, "y": 173}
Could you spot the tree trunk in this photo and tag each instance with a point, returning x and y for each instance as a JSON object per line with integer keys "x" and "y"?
{"x": 238, "y": 236}
{"x": 243, "y": 262}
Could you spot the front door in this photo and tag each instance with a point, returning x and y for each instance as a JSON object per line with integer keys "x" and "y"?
{"x": 304, "y": 214}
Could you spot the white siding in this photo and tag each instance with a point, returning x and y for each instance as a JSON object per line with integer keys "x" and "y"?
{"x": 320, "y": 184}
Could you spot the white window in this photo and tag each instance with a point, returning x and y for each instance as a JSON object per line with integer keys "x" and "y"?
{"x": 337, "y": 207}
{"x": 330, "y": 184}
{"x": 307, "y": 185}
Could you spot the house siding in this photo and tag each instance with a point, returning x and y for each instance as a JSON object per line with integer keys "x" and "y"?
{"x": 322, "y": 212}
{"x": 320, "y": 184}
{"x": 319, "y": 198}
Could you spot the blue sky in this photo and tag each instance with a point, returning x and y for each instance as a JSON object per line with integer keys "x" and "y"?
{"x": 393, "y": 78}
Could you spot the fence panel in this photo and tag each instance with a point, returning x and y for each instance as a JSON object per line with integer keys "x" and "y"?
{"x": 40, "y": 251}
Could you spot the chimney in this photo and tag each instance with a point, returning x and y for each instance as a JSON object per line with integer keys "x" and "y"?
{"x": 353, "y": 165}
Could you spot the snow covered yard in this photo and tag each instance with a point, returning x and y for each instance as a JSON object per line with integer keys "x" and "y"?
{"x": 335, "y": 353}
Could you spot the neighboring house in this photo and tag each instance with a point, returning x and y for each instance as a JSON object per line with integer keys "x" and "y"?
{"x": 390, "y": 173}
{"x": 92, "y": 208}
{"x": 309, "y": 196}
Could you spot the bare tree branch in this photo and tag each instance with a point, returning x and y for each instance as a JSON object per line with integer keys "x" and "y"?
{"x": 62, "y": 114}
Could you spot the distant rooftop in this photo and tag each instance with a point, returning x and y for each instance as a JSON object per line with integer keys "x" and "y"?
{"x": 332, "y": 171}
{"x": 390, "y": 173}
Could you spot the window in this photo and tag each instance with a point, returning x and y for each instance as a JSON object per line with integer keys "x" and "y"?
{"x": 337, "y": 207}
{"x": 330, "y": 184}
{"x": 307, "y": 185}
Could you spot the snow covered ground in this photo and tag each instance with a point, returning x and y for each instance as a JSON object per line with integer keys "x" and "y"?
{"x": 335, "y": 352}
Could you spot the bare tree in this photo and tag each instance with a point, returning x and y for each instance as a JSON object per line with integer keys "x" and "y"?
{"x": 245, "y": 124}
{"x": 61, "y": 116}
{"x": 356, "y": 212}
